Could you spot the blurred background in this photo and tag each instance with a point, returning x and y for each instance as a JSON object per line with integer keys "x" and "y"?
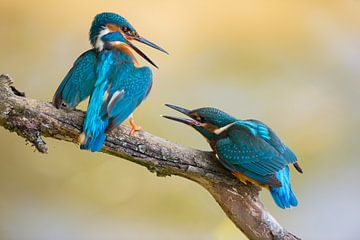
{"x": 292, "y": 64}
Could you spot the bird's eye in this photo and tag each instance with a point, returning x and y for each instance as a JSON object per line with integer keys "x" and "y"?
{"x": 197, "y": 117}
{"x": 128, "y": 31}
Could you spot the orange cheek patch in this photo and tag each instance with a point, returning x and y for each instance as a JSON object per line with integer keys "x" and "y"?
{"x": 113, "y": 28}
{"x": 209, "y": 127}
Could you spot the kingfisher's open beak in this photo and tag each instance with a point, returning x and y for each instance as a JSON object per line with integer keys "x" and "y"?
{"x": 138, "y": 51}
{"x": 147, "y": 42}
{"x": 187, "y": 121}
{"x": 190, "y": 122}
{"x": 179, "y": 109}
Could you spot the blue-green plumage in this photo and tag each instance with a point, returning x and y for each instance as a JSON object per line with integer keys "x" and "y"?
{"x": 110, "y": 75}
{"x": 101, "y": 20}
{"x": 94, "y": 125}
{"x": 248, "y": 147}
{"x": 119, "y": 90}
{"x": 283, "y": 196}
{"x": 79, "y": 83}
{"x": 133, "y": 90}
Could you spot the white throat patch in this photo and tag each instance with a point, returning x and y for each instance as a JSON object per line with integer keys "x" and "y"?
{"x": 220, "y": 130}
{"x": 99, "y": 44}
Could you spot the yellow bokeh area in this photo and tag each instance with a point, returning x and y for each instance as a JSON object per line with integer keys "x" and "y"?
{"x": 293, "y": 64}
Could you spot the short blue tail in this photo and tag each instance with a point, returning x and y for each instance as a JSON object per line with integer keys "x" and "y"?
{"x": 95, "y": 137}
{"x": 94, "y": 126}
{"x": 284, "y": 196}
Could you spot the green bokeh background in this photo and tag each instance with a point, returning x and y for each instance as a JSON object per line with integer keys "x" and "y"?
{"x": 292, "y": 64}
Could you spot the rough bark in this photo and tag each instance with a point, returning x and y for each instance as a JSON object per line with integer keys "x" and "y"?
{"x": 33, "y": 119}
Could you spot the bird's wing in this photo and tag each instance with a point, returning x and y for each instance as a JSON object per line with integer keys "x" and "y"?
{"x": 79, "y": 82}
{"x": 126, "y": 95}
{"x": 270, "y": 137}
{"x": 242, "y": 151}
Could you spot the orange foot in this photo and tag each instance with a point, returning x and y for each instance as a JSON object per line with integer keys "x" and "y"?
{"x": 134, "y": 127}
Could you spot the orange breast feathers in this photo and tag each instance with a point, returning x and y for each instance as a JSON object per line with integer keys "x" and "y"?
{"x": 244, "y": 179}
{"x": 123, "y": 47}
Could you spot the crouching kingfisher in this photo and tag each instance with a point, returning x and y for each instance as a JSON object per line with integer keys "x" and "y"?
{"x": 248, "y": 148}
{"x": 110, "y": 75}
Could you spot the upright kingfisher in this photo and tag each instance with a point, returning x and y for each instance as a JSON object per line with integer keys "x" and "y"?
{"x": 110, "y": 74}
{"x": 247, "y": 148}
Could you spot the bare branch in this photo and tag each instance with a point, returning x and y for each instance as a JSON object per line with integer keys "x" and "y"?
{"x": 32, "y": 119}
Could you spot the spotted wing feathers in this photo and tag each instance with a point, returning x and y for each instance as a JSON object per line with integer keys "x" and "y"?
{"x": 247, "y": 152}
{"x": 79, "y": 83}
{"x": 126, "y": 96}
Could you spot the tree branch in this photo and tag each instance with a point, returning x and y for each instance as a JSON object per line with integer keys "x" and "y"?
{"x": 32, "y": 119}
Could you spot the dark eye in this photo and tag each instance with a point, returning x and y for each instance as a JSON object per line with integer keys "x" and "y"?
{"x": 196, "y": 117}
{"x": 127, "y": 30}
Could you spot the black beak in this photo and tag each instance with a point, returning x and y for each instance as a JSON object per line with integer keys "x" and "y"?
{"x": 147, "y": 42}
{"x": 138, "y": 51}
{"x": 179, "y": 109}
{"x": 190, "y": 122}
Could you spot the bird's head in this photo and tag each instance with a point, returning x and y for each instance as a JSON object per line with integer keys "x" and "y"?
{"x": 111, "y": 30}
{"x": 207, "y": 120}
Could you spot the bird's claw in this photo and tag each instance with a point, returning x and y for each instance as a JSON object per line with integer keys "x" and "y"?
{"x": 134, "y": 129}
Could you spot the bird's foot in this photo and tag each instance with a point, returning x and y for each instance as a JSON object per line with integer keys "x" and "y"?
{"x": 134, "y": 128}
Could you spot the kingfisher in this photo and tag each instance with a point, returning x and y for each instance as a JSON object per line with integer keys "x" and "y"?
{"x": 247, "y": 148}
{"x": 110, "y": 74}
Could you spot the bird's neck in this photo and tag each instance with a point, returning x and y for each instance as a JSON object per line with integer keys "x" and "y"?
{"x": 222, "y": 121}
{"x": 207, "y": 134}
{"x": 127, "y": 51}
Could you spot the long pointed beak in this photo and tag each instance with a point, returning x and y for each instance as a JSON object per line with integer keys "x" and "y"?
{"x": 179, "y": 109}
{"x": 189, "y": 122}
{"x": 138, "y": 51}
{"x": 147, "y": 42}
